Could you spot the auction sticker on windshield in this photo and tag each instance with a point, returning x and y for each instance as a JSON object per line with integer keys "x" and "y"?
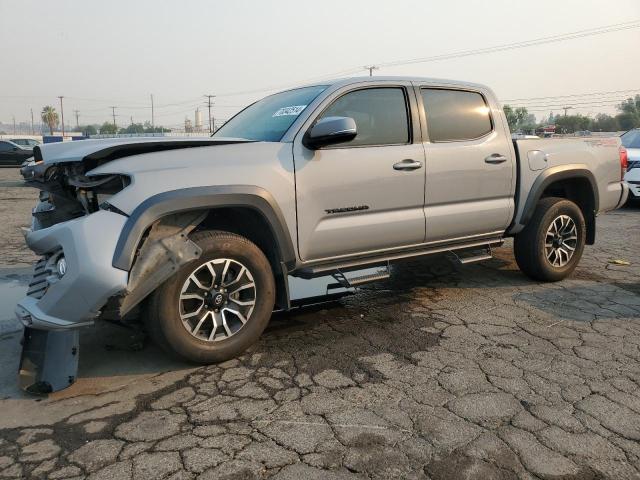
{"x": 293, "y": 110}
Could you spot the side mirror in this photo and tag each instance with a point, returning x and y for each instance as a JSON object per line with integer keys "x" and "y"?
{"x": 15, "y": 149}
{"x": 329, "y": 131}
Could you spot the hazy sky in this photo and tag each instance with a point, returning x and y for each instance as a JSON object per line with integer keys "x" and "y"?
{"x": 117, "y": 52}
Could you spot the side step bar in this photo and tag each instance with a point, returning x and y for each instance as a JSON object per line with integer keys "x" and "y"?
{"x": 370, "y": 262}
{"x": 344, "y": 281}
{"x": 479, "y": 257}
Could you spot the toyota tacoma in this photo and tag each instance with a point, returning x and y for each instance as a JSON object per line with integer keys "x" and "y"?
{"x": 203, "y": 236}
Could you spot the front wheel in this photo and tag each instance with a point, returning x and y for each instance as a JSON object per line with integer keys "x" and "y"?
{"x": 214, "y": 307}
{"x": 550, "y": 246}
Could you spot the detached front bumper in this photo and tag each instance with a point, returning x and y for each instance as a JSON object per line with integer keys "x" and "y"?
{"x": 75, "y": 299}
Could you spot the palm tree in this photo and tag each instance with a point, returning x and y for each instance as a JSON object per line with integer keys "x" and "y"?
{"x": 50, "y": 117}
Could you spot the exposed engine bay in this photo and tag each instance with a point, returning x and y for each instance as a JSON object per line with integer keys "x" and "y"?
{"x": 67, "y": 193}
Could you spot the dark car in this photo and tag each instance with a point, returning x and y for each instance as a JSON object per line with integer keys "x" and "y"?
{"x": 12, "y": 154}
{"x": 25, "y": 142}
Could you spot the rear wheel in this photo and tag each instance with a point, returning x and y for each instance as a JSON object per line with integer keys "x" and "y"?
{"x": 550, "y": 246}
{"x": 214, "y": 307}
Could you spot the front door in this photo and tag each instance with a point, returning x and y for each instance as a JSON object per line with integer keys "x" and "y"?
{"x": 470, "y": 171}
{"x": 366, "y": 194}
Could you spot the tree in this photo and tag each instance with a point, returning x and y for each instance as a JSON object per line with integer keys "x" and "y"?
{"x": 133, "y": 128}
{"x": 604, "y": 123}
{"x": 516, "y": 118}
{"x": 88, "y": 130}
{"x": 150, "y": 129}
{"x": 629, "y": 116}
{"x": 108, "y": 128}
{"x": 572, "y": 123}
{"x": 50, "y": 117}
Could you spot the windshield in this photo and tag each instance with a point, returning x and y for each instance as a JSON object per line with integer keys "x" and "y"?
{"x": 631, "y": 139}
{"x": 268, "y": 119}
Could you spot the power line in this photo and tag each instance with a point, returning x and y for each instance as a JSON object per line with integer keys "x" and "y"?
{"x": 523, "y": 44}
{"x": 634, "y": 90}
{"x": 594, "y": 103}
{"x": 466, "y": 53}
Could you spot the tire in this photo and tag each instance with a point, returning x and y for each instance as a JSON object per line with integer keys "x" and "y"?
{"x": 169, "y": 309}
{"x": 533, "y": 255}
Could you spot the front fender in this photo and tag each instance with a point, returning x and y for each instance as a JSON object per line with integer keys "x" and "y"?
{"x": 198, "y": 198}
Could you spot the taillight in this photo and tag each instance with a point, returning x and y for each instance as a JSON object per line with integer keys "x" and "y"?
{"x": 624, "y": 162}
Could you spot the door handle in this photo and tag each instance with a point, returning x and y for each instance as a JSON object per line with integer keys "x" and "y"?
{"x": 407, "y": 164}
{"x": 495, "y": 158}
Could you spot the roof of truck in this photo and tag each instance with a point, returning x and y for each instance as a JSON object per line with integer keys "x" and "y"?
{"x": 364, "y": 79}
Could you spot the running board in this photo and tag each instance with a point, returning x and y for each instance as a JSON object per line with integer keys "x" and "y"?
{"x": 343, "y": 281}
{"x": 476, "y": 258}
{"x": 480, "y": 257}
{"x": 382, "y": 275}
{"x": 369, "y": 262}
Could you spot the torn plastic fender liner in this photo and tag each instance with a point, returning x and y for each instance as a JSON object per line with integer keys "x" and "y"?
{"x": 166, "y": 248}
{"x": 49, "y": 360}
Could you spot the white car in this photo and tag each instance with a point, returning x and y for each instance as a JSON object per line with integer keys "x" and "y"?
{"x": 631, "y": 141}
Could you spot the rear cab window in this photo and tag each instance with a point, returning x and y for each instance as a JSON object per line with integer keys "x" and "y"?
{"x": 455, "y": 115}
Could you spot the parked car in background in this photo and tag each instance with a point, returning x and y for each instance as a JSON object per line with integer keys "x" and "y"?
{"x": 25, "y": 142}
{"x": 12, "y": 154}
{"x": 631, "y": 141}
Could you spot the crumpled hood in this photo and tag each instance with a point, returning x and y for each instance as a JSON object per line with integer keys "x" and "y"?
{"x": 112, "y": 148}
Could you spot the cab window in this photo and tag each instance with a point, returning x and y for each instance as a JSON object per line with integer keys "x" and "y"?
{"x": 380, "y": 115}
{"x": 455, "y": 115}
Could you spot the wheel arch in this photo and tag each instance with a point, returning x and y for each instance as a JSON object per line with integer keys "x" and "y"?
{"x": 247, "y": 210}
{"x": 573, "y": 182}
{"x": 154, "y": 208}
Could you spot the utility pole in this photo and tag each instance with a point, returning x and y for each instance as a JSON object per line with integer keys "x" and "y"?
{"x": 371, "y": 68}
{"x": 62, "y": 113}
{"x": 33, "y": 132}
{"x": 14, "y": 124}
{"x": 113, "y": 112}
{"x": 209, "y": 97}
{"x": 77, "y": 112}
{"x": 565, "y": 110}
{"x": 153, "y": 123}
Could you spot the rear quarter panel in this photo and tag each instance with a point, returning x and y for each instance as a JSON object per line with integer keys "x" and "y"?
{"x": 598, "y": 155}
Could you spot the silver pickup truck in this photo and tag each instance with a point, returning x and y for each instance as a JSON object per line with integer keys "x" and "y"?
{"x": 205, "y": 235}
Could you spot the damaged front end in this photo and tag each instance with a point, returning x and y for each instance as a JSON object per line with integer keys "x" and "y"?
{"x": 75, "y": 230}
{"x": 66, "y": 192}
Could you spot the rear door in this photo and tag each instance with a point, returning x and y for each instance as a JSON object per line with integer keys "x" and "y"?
{"x": 366, "y": 194}
{"x": 469, "y": 165}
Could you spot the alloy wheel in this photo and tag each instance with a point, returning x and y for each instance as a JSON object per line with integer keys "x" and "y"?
{"x": 217, "y": 299}
{"x": 561, "y": 241}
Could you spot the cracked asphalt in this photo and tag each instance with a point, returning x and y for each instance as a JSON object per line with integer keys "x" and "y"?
{"x": 442, "y": 372}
